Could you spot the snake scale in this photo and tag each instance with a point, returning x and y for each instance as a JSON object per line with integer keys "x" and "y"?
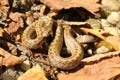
{"x": 43, "y": 28}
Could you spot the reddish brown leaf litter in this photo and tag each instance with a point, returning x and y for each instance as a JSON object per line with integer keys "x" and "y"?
{"x": 90, "y": 5}
{"x": 16, "y": 23}
{"x": 7, "y": 59}
{"x": 14, "y": 19}
{"x": 4, "y": 5}
{"x": 98, "y": 67}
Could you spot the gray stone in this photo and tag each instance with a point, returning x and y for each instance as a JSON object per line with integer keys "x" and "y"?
{"x": 26, "y": 65}
{"x": 113, "y": 18}
{"x": 104, "y": 23}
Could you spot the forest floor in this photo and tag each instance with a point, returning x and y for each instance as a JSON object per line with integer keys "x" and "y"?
{"x": 28, "y": 27}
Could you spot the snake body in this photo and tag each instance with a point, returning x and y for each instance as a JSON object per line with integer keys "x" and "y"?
{"x": 42, "y": 28}
{"x": 72, "y": 45}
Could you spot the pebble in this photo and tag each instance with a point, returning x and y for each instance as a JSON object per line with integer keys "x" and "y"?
{"x": 94, "y": 23}
{"x": 23, "y": 57}
{"x": 36, "y": 7}
{"x": 26, "y": 65}
{"x": 113, "y": 18}
{"x": 112, "y": 5}
{"x": 102, "y": 50}
{"x": 104, "y": 23}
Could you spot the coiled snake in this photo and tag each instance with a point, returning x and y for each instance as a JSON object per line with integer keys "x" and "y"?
{"x": 43, "y": 28}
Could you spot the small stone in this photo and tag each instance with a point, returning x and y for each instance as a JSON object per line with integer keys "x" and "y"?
{"x": 20, "y": 72}
{"x": 26, "y": 65}
{"x": 9, "y": 74}
{"x": 94, "y": 23}
{"x": 36, "y": 7}
{"x": 102, "y": 50}
{"x": 23, "y": 57}
{"x": 11, "y": 71}
{"x": 112, "y": 5}
{"x": 113, "y": 18}
{"x": 90, "y": 52}
{"x": 104, "y": 23}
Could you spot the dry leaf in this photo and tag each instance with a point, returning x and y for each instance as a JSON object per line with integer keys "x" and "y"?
{"x": 13, "y": 27}
{"x": 98, "y": 67}
{"x": 93, "y": 31}
{"x": 7, "y": 59}
{"x": 97, "y": 33}
{"x": 1, "y": 32}
{"x": 16, "y": 23}
{"x": 35, "y": 73}
{"x": 4, "y": 5}
{"x": 114, "y": 41}
{"x": 90, "y": 5}
{"x": 4, "y": 2}
{"x": 15, "y": 16}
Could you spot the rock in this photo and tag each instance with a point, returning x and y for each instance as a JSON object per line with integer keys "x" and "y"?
{"x": 104, "y": 23}
{"x": 36, "y": 7}
{"x": 23, "y": 57}
{"x": 22, "y": 4}
{"x": 26, "y": 65}
{"x": 112, "y": 5}
{"x": 113, "y": 18}
{"x": 102, "y": 50}
{"x": 9, "y": 74}
{"x": 107, "y": 27}
{"x": 94, "y": 23}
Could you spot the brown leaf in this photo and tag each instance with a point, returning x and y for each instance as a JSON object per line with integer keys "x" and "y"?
{"x": 4, "y": 2}
{"x": 110, "y": 39}
{"x": 13, "y": 27}
{"x": 4, "y": 5}
{"x": 93, "y": 31}
{"x": 15, "y": 16}
{"x": 7, "y": 59}
{"x": 35, "y": 73}
{"x": 90, "y": 5}
{"x": 114, "y": 41}
{"x": 98, "y": 67}
{"x": 1, "y": 32}
{"x": 16, "y": 23}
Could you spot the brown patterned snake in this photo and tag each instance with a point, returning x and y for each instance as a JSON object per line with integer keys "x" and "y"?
{"x": 72, "y": 45}
{"x": 42, "y": 27}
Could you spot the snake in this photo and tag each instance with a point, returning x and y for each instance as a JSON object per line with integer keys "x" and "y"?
{"x": 76, "y": 50}
{"x": 43, "y": 28}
